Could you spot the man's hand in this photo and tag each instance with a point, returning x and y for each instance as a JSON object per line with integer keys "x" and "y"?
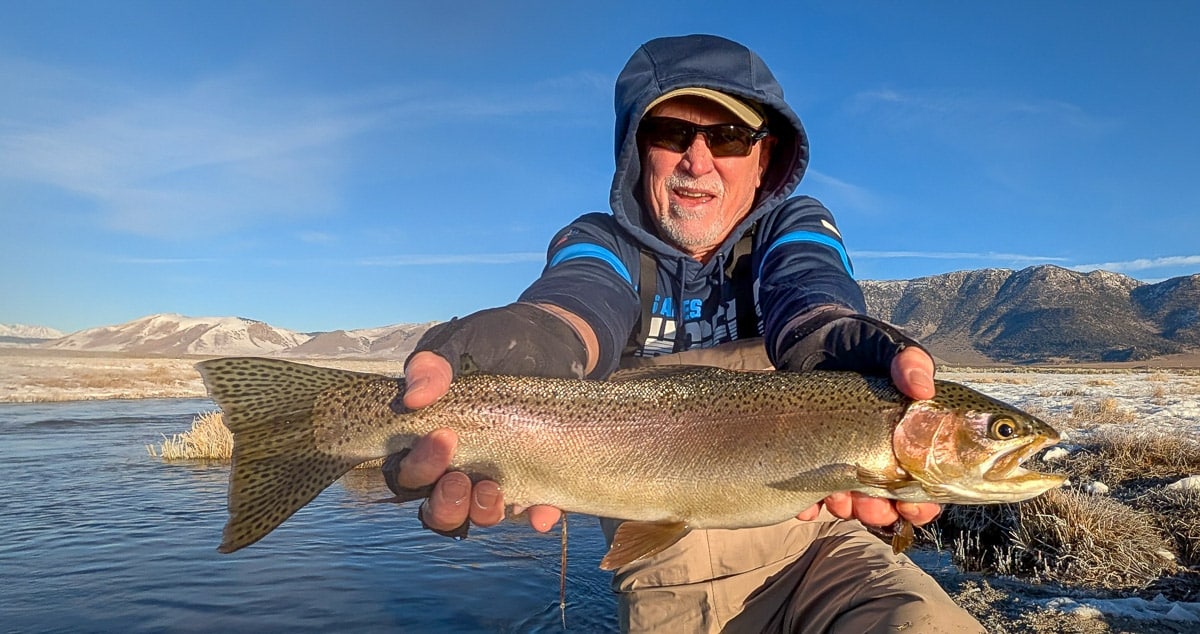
{"x": 912, "y": 372}
{"x": 453, "y": 500}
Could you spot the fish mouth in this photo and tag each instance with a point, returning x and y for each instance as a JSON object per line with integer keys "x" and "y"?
{"x": 1007, "y": 473}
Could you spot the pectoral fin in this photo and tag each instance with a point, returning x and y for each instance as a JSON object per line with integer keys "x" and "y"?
{"x": 903, "y": 537}
{"x": 895, "y": 481}
{"x": 634, "y": 540}
{"x": 823, "y": 480}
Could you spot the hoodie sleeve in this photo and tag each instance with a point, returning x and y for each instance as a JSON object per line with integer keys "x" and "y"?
{"x": 592, "y": 272}
{"x": 802, "y": 264}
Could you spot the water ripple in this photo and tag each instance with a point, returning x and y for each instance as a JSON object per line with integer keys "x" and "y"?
{"x": 98, "y": 536}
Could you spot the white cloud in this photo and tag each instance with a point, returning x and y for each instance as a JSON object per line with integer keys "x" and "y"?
{"x": 958, "y": 111}
{"x": 209, "y": 156}
{"x": 837, "y": 193}
{"x": 1019, "y": 258}
{"x": 1142, "y": 264}
{"x": 196, "y": 160}
{"x": 164, "y": 261}
{"x": 466, "y": 258}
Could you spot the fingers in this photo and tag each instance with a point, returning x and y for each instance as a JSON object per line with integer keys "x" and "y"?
{"x": 866, "y": 509}
{"x": 429, "y": 459}
{"x": 487, "y": 504}
{"x": 427, "y": 378}
{"x": 543, "y": 518}
{"x": 454, "y": 501}
{"x": 446, "y": 509}
{"x": 874, "y": 511}
{"x": 878, "y": 511}
{"x": 840, "y": 505}
{"x": 809, "y": 513}
{"x": 918, "y": 514}
{"x": 912, "y": 372}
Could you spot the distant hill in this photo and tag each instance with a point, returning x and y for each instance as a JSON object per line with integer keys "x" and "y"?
{"x": 176, "y": 335}
{"x": 22, "y": 334}
{"x": 1043, "y": 314}
{"x": 387, "y": 342}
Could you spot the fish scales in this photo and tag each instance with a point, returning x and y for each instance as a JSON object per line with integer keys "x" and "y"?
{"x": 684, "y": 447}
{"x": 599, "y": 448}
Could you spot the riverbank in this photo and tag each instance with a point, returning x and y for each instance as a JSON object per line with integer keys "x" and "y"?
{"x": 39, "y": 376}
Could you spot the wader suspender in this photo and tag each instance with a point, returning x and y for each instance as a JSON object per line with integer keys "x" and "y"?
{"x": 738, "y": 269}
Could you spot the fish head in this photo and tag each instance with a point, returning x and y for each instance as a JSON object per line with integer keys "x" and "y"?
{"x": 965, "y": 447}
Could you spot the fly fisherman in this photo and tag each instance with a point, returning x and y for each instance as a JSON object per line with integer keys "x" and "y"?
{"x": 704, "y": 259}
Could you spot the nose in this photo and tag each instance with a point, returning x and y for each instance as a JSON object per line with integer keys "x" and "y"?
{"x": 698, "y": 159}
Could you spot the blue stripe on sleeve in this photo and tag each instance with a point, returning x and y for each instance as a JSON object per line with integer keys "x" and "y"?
{"x": 810, "y": 236}
{"x": 585, "y": 250}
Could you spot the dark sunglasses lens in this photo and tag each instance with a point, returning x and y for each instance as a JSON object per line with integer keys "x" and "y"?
{"x": 669, "y": 134}
{"x": 727, "y": 140}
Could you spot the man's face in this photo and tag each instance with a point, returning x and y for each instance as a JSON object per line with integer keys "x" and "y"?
{"x": 697, "y": 199}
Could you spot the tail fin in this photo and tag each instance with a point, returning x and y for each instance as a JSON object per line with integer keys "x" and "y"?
{"x": 277, "y": 465}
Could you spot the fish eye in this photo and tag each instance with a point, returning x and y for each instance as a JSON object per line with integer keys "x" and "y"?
{"x": 1004, "y": 428}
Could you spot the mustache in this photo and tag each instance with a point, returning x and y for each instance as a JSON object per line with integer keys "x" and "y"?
{"x": 712, "y": 186}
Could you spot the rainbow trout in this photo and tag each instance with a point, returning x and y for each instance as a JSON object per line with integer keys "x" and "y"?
{"x": 670, "y": 448}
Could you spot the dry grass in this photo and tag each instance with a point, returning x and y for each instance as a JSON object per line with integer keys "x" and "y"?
{"x": 1004, "y": 379}
{"x": 1065, "y": 537}
{"x": 1140, "y": 536}
{"x": 1159, "y": 377}
{"x": 1178, "y": 514}
{"x": 1106, "y": 411}
{"x": 208, "y": 439}
{"x": 1119, "y": 455}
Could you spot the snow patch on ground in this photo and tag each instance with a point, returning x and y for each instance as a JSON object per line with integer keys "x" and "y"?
{"x": 1157, "y": 609}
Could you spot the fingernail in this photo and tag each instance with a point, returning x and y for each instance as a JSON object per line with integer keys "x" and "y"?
{"x": 454, "y": 491}
{"x": 486, "y": 496}
{"x": 920, "y": 378}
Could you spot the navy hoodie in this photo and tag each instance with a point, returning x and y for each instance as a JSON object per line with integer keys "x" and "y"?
{"x": 798, "y": 260}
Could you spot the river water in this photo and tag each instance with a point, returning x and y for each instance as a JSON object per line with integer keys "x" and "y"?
{"x": 96, "y": 535}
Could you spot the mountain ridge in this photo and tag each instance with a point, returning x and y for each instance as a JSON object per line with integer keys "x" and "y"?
{"x": 1040, "y": 314}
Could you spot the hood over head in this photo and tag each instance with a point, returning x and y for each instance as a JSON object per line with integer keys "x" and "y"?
{"x": 669, "y": 64}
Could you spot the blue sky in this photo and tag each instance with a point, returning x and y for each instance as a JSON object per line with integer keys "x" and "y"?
{"x": 322, "y": 165}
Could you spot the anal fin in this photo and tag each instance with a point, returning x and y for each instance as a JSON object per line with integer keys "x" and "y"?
{"x": 634, "y": 540}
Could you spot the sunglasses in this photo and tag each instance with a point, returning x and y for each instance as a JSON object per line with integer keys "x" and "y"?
{"x": 677, "y": 135}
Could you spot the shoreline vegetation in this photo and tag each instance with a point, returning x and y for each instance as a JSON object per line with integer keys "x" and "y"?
{"x": 1068, "y": 561}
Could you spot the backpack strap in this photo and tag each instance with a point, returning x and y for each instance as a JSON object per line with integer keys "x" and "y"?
{"x": 647, "y": 281}
{"x": 740, "y": 271}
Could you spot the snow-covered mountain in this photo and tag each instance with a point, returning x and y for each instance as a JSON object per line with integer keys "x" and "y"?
{"x": 387, "y": 342}
{"x": 171, "y": 334}
{"x": 21, "y": 331}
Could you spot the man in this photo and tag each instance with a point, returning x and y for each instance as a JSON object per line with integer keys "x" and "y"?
{"x": 703, "y": 249}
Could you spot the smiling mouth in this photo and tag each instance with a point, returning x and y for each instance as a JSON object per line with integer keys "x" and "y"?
{"x": 692, "y": 195}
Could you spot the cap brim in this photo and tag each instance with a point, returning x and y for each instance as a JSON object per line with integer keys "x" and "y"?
{"x": 737, "y": 107}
